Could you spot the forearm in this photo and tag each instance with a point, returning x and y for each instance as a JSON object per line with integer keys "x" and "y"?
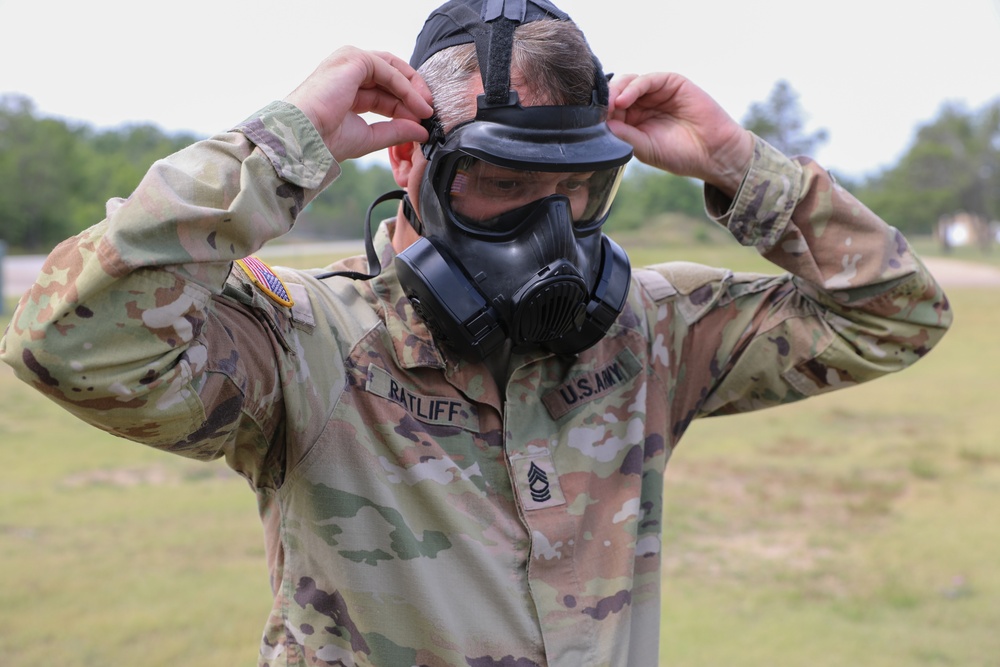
{"x": 856, "y": 304}
{"x": 839, "y": 252}
{"x": 219, "y": 200}
{"x": 115, "y": 327}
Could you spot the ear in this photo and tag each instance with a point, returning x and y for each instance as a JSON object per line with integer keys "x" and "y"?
{"x": 401, "y": 159}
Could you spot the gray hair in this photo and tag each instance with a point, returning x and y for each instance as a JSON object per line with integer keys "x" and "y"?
{"x": 551, "y": 63}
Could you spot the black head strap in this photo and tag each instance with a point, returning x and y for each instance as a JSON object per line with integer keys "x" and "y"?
{"x": 491, "y": 29}
{"x": 374, "y": 263}
{"x": 464, "y": 21}
{"x": 503, "y": 16}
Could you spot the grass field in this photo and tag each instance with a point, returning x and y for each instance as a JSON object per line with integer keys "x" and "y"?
{"x": 858, "y": 528}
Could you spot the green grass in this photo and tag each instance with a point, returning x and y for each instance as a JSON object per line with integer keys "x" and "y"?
{"x": 853, "y": 529}
{"x": 857, "y": 528}
{"x": 115, "y": 554}
{"x": 928, "y": 246}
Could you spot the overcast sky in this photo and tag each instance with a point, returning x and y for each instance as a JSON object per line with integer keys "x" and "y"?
{"x": 869, "y": 71}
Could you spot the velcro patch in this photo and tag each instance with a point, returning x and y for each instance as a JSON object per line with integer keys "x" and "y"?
{"x": 537, "y": 481}
{"x": 264, "y": 278}
{"x": 589, "y": 386}
{"x": 441, "y": 410}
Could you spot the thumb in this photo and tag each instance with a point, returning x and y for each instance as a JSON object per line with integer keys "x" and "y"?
{"x": 379, "y": 135}
{"x": 629, "y": 134}
{"x": 388, "y": 133}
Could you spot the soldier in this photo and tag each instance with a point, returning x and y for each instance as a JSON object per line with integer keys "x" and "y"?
{"x": 457, "y": 444}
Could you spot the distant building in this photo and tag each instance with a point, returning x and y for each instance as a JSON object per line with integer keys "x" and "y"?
{"x": 967, "y": 229}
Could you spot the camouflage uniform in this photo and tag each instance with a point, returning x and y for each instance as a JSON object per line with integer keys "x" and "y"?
{"x": 416, "y": 513}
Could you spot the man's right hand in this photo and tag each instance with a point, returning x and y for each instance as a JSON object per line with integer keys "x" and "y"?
{"x": 351, "y": 82}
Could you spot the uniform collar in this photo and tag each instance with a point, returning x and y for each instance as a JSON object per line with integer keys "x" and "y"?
{"x": 412, "y": 342}
{"x": 413, "y": 345}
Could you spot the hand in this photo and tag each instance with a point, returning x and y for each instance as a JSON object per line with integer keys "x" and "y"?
{"x": 351, "y": 82}
{"x": 675, "y": 126}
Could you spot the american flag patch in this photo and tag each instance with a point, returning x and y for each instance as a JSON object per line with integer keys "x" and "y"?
{"x": 263, "y": 277}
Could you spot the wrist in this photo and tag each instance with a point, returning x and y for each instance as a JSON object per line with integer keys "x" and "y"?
{"x": 762, "y": 207}
{"x": 292, "y": 143}
{"x": 732, "y": 164}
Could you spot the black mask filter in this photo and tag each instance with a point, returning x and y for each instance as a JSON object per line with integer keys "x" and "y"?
{"x": 511, "y": 209}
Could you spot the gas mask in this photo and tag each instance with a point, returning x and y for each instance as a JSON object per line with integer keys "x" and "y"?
{"x": 511, "y": 205}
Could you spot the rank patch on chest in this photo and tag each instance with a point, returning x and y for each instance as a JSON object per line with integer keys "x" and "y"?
{"x": 443, "y": 410}
{"x": 537, "y": 481}
{"x": 589, "y": 386}
{"x": 266, "y": 280}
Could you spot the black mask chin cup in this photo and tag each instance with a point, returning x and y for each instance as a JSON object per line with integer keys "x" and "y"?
{"x": 554, "y": 310}
{"x": 550, "y": 305}
{"x": 605, "y": 303}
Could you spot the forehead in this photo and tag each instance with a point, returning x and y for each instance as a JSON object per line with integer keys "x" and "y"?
{"x": 527, "y": 95}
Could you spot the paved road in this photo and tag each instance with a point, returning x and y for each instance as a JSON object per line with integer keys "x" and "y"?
{"x": 20, "y": 271}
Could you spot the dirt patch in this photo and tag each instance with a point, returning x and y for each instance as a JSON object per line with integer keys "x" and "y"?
{"x": 21, "y": 271}
{"x": 155, "y": 475}
{"x": 730, "y": 522}
{"x": 959, "y": 273}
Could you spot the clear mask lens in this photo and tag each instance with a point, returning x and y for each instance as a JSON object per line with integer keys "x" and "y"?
{"x": 481, "y": 194}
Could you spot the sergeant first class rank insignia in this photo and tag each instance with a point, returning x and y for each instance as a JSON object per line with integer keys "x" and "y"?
{"x": 263, "y": 277}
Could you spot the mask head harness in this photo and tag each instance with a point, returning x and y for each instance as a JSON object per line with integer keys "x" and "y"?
{"x": 512, "y": 203}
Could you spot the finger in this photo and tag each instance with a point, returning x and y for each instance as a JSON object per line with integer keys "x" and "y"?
{"x": 631, "y": 90}
{"x": 626, "y": 132}
{"x": 394, "y": 132}
{"x": 364, "y": 138}
{"x": 380, "y": 135}
{"x": 411, "y": 74}
{"x": 395, "y": 76}
{"x": 652, "y": 89}
{"x": 615, "y": 86}
{"x": 377, "y": 101}
{"x": 619, "y": 82}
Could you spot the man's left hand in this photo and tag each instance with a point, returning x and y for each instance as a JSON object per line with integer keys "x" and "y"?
{"x": 674, "y": 125}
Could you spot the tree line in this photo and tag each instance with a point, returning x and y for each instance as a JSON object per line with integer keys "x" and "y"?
{"x": 55, "y": 175}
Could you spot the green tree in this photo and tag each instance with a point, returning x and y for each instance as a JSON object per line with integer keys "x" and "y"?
{"x": 55, "y": 177}
{"x": 646, "y": 192}
{"x": 780, "y": 121}
{"x": 40, "y": 175}
{"x": 952, "y": 165}
{"x": 339, "y": 211}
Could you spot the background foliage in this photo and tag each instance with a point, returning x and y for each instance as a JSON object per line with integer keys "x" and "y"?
{"x": 953, "y": 165}
{"x": 780, "y": 120}
{"x": 55, "y": 176}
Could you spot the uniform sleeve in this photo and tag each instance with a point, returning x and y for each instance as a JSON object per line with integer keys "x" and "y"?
{"x": 129, "y": 326}
{"x": 854, "y": 304}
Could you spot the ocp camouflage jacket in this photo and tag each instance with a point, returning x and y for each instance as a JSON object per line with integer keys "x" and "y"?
{"x": 416, "y": 513}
